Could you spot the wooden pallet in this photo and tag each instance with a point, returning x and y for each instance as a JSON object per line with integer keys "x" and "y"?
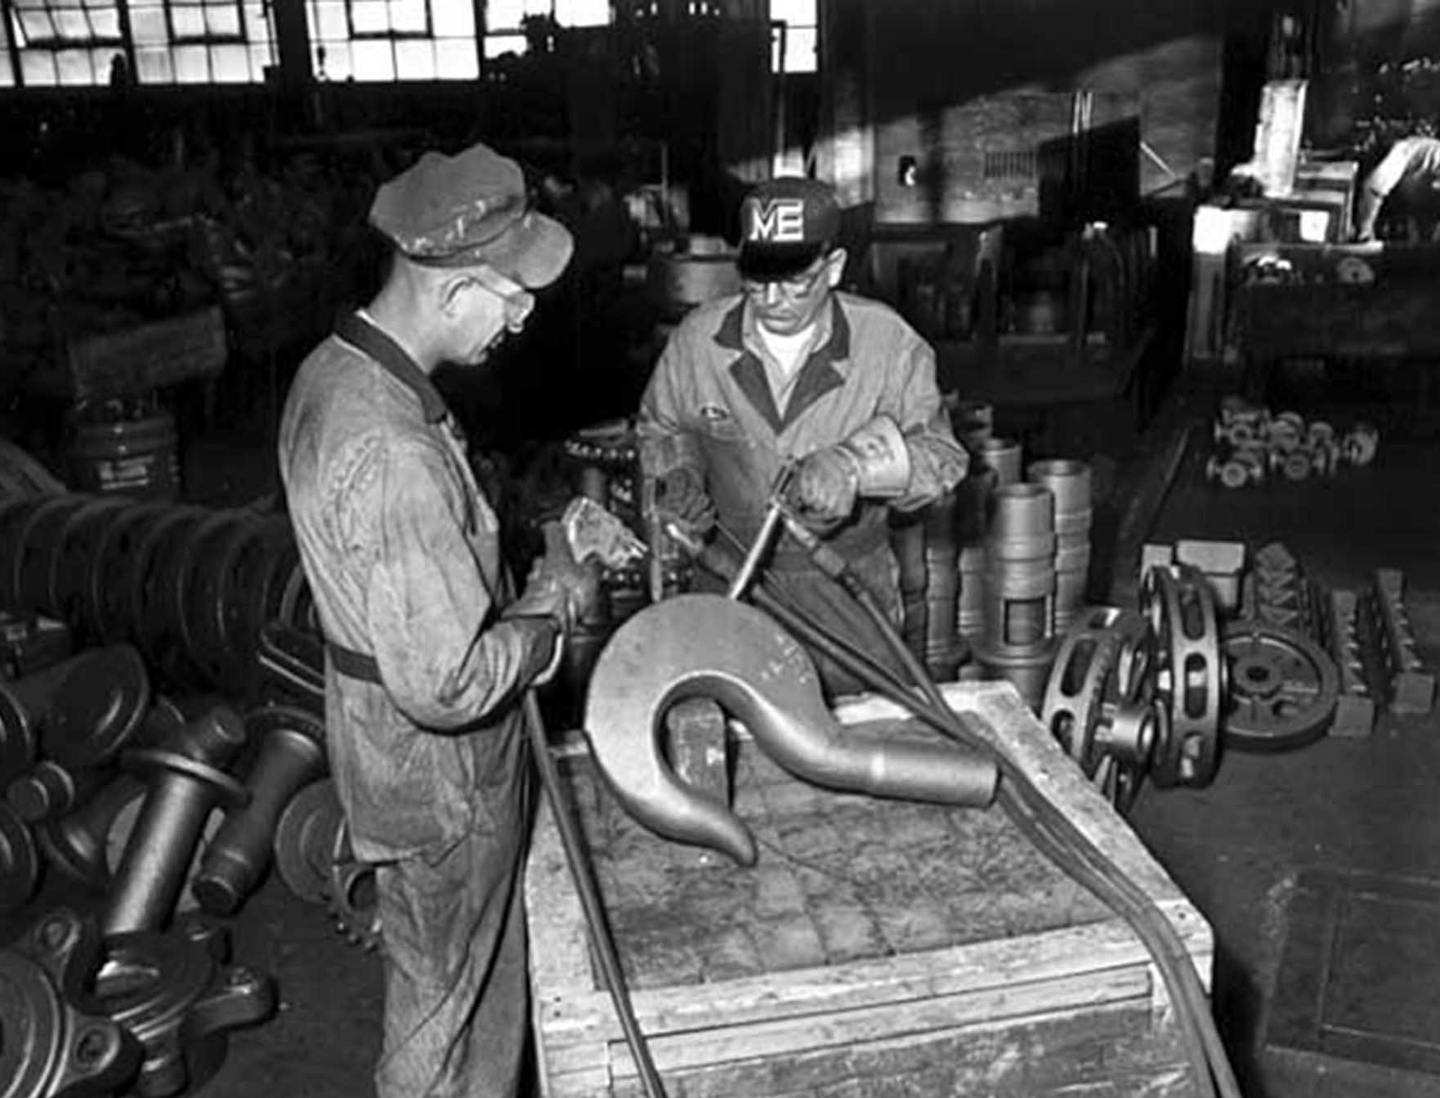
{"x": 875, "y": 948}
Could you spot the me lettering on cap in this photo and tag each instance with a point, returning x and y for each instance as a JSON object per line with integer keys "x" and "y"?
{"x": 775, "y": 221}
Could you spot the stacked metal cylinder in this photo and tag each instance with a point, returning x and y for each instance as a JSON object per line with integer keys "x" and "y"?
{"x": 1069, "y": 485}
{"x": 1019, "y": 581}
{"x": 190, "y": 587}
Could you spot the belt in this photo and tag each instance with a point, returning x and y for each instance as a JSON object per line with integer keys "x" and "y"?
{"x": 353, "y": 664}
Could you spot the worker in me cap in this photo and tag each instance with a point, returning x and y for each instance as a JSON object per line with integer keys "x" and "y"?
{"x": 428, "y": 652}
{"x": 794, "y": 373}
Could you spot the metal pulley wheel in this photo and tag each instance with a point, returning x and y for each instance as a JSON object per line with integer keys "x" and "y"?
{"x": 147, "y": 615}
{"x": 1097, "y": 700}
{"x": 47, "y": 1046}
{"x": 1190, "y": 673}
{"x": 1283, "y": 688}
{"x": 197, "y": 590}
{"x": 305, "y": 840}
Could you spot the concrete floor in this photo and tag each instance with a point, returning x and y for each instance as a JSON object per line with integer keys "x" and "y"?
{"x": 1233, "y": 847}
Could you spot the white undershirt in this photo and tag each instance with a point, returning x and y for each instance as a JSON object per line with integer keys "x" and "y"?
{"x": 788, "y": 353}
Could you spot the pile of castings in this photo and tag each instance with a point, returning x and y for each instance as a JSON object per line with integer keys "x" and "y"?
{"x": 1260, "y": 660}
{"x": 190, "y": 587}
{"x": 130, "y": 799}
{"x": 1023, "y": 558}
{"x": 1252, "y": 446}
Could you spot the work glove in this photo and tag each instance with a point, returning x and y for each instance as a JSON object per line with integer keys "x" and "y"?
{"x": 825, "y": 485}
{"x": 558, "y": 585}
{"x": 681, "y": 494}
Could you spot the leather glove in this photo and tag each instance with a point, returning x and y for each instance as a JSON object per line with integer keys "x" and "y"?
{"x": 681, "y": 494}
{"x": 558, "y": 586}
{"x": 826, "y": 485}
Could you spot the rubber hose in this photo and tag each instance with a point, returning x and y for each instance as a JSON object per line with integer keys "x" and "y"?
{"x": 1069, "y": 848}
{"x": 580, "y": 870}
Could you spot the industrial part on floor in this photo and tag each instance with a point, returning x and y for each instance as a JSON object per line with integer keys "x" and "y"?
{"x": 1252, "y": 446}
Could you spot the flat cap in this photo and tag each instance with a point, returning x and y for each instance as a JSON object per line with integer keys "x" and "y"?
{"x": 469, "y": 209}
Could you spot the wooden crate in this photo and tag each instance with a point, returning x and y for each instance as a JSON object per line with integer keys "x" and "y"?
{"x": 876, "y": 948}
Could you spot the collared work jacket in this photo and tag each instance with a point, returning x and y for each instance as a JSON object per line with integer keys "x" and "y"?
{"x": 710, "y": 397}
{"x": 403, "y": 558}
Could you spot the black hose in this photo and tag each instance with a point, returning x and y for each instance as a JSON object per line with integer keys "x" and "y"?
{"x": 599, "y": 927}
{"x": 1050, "y": 830}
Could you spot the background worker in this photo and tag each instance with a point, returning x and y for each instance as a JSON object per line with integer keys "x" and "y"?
{"x": 1405, "y": 184}
{"x": 791, "y": 370}
{"x": 428, "y": 653}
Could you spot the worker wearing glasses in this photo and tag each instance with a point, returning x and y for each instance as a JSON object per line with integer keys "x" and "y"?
{"x": 428, "y": 652}
{"x": 792, "y": 372}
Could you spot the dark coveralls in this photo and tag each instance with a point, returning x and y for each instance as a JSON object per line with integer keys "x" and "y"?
{"x": 713, "y": 394}
{"x": 422, "y": 713}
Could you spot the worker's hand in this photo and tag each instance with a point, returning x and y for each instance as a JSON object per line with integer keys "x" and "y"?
{"x": 1365, "y": 233}
{"x": 825, "y": 485}
{"x": 558, "y": 585}
{"x": 681, "y": 495}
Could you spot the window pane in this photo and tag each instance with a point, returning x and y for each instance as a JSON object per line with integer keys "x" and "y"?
{"x": 74, "y": 67}
{"x": 192, "y": 65}
{"x": 154, "y": 66}
{"x": 453, "y": 18}
{"x": 372, "y": 60}
{"x": 408, "y": 17}
{"x": 334, "y": 62}
{"x": 230, "y": 64}
{"x": 73, "y": 26}
{"x": 455, "y": 59}
{"x": 106, "y": 23}
{"x": 188, "y": 22}
{"x": 497, "y": 45}
{"x": 332, "y": 26}
{"x": 35, "y": 26}
{"x": 147, "y": 25}
{"x": 38, "y": 69}
{"x": 369, "y": 16}
{"x": 582, "y": 13}
{"x": 261, "y": 57}
{"x": 7, "y": 74}
{"x": 503, "y": 15}
{"x": 223, "y": 20}
{"x": 257, "y": 27}
{"x": 415, "y": 60}
{"x": 794, "y": 11}
{"x": 800, "y": 49}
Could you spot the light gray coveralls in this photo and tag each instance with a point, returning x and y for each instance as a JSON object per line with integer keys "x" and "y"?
{"x": 712, "y": 392}
{"x": 422, "y": 709}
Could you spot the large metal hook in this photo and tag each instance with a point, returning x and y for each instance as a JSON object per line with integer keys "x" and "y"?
{"x": 709, "y": 646}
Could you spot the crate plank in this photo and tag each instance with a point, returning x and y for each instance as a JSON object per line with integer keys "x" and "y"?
{"x": 868, "y": 932}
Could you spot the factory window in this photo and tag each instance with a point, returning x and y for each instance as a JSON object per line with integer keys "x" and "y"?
{"x": 200, "y": 41}
{"x": 505, "y": 20}
{"x": 393, "y": 39}
{"x": 66, "y": 42}
{"x": 795, "y": 35}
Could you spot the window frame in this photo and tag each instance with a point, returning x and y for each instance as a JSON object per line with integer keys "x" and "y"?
{"x": 391, "y": 35}
{"x": 11, "y": 10}
{"x": 240, "y": 37}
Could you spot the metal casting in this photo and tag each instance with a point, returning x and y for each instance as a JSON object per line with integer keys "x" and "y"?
{"x": 19, "y": 866}
{"x": 1283, "y": 688}
{"x": 185, "y": 783}
{"x": 708, "y": 646}
{"x": 350, "y": 894}
{"x": 50, "y": 1047}
{"x": 76, "y": 843}
{"x": 175, "y": 994}
{"x": 1190, "y": 673}
{"x": 291, "y": 755}
{"x": 305, "y": 840}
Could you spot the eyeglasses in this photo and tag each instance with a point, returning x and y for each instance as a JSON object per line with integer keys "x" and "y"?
{"x": 518, "y": 301}
{"x": 793, "y": 288}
